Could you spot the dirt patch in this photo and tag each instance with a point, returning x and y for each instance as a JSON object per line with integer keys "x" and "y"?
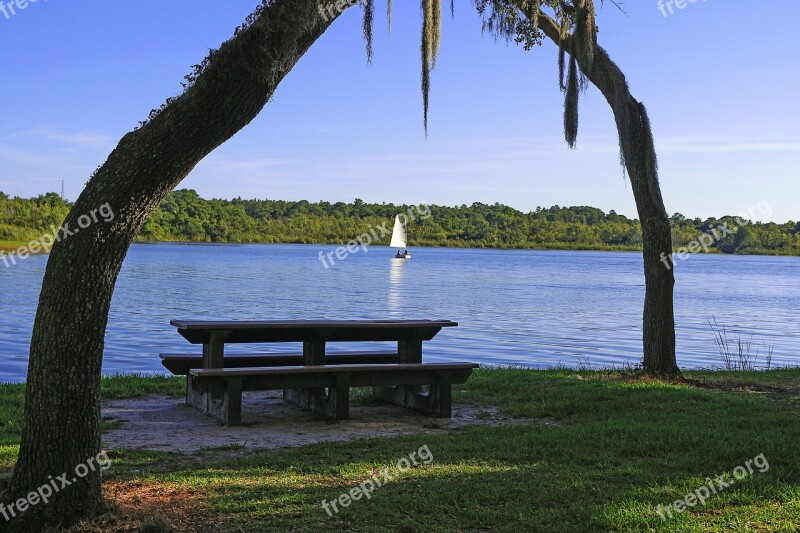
{"x": 168, "y": 424}
{"x": 742, "y": 387}
{"x": 788, "y": 396}
{"x": 146, "y": 506}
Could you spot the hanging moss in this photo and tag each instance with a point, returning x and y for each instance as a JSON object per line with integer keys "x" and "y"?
{"x": 585, "y": 33}
{"x": 369, "y": 21}
{"x": 426, "y": 49}
{"x": 436, "y": 30}
{"x": 431, "y": 37}
{"x": 571, "y": 97}
{"x": 577, "y": 21}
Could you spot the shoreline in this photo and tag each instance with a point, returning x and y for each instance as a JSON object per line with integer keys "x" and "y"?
{"x": 9, "y": 247}
{"x": 625, "y": 249}
{"x": 689, "y": 373}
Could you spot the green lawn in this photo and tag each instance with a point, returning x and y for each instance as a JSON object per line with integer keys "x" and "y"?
{"x": 599, "y": 451}
{"x": 11, "y": 246}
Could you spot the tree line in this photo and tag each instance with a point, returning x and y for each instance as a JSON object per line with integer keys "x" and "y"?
{"x": 186, "y": 217}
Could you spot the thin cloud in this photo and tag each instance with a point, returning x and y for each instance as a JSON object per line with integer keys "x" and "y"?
{"x": 79, "y": 139}
{"x": 704, "y": 146}
{"x": 227, "y": 164}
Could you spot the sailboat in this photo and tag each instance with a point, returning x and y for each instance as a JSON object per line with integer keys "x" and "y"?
{"x": 400, "y": 240}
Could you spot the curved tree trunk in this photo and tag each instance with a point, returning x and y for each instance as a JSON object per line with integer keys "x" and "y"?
{"x": 638, "y": 153}
{"x": 61, "y": 425}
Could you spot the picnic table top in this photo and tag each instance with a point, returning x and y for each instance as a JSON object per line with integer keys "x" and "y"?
{"x": 254, "y": 331}
{"x": 306, "y": 324}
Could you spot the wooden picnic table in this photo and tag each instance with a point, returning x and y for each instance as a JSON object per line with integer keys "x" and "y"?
{"x": 314, "y": 334}
{"x": 215, "y": 387}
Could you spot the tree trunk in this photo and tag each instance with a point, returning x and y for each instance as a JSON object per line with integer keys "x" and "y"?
{"x": 61, "y": 423}
{"x": 638, "y": 154}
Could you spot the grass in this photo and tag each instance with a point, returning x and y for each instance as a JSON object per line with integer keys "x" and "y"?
{"x": 738, "y": 353}
{"x": 12, "y": 401}
{"x": 11, "y": 246}
{"x": 139, "y": 385}
{"x": 614, "y": 448}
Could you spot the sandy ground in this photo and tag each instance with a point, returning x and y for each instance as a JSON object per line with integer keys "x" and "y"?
{"x": 168, "y": 424}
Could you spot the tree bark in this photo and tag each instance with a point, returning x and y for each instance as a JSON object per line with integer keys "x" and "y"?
{"x": 61, "y": 423}
{"x": 638, "y": 154}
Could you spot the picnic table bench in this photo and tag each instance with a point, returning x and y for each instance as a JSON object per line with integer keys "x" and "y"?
{"x": 314, "y": 379}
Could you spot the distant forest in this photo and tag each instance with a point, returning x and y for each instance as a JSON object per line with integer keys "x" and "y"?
{"x": 186, "y": 217}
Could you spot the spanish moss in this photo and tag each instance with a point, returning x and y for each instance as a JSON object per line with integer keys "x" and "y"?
{"x": 436, "y": 32}
{"x": 426, "y": 49}
{"x": 650, "y": 159}
{"x": 585, "y": 34}
{"x": 431, "y": 38}
{"x": 369, "y": 19}
{"x": 534, "y": 14}
{"x": 571, "y": 104}
{"x": 562, "y": 52}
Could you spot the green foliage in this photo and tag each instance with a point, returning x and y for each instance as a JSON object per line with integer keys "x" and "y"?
{"x": 27, "y": 219}
{"x": 186, "y": 217}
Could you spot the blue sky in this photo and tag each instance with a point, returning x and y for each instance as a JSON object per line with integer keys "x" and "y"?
{"x": 718, "y": 77}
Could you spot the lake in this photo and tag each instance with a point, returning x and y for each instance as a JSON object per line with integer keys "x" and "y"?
{"x": 530, "y": 308}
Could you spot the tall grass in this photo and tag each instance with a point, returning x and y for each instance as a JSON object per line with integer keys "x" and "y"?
{"x": 738, "y": 353}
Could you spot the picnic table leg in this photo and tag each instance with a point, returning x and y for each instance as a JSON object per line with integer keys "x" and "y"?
{"x": 437, "y": 402}
{"x": 408, "y": 352}
{"x": 214, "y": 352}
{"x": 341, "y": 397}
{"x": 195, "y": 397}
{"x": 336, "y": 404}
{"x": 214, "y": 356}
{"x": 233, "y": 403}
{"x": 313, "y": 355}
{"x": 229, "y": 409}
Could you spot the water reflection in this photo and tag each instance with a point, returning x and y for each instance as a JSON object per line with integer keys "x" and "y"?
{"x": 396, "y": 275}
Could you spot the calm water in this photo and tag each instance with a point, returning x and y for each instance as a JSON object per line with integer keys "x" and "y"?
{"x": 532, "y": 308}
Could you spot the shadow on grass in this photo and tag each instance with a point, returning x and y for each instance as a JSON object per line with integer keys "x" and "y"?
{"x": 622, "y": 448}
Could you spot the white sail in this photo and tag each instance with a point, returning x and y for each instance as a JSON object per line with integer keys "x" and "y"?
{"x": 399, "y": 234}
